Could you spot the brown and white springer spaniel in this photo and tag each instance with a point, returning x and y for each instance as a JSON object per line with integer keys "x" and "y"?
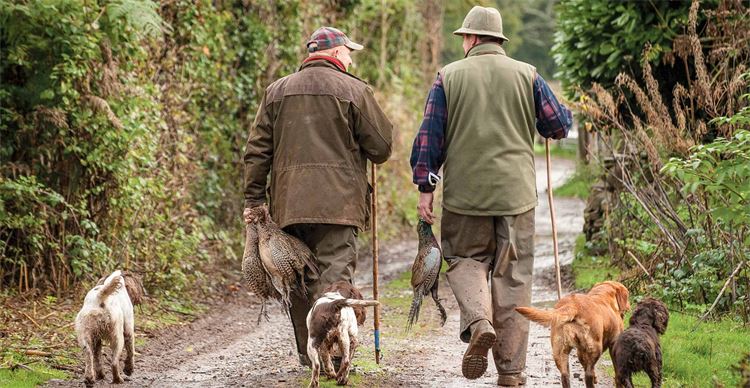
{"x": 332, "y": 322}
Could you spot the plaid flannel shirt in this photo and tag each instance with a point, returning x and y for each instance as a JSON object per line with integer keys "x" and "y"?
{"x": 553, "y": 120}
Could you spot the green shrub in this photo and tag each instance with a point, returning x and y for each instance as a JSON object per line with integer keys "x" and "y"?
{"x": 598, "y": 39}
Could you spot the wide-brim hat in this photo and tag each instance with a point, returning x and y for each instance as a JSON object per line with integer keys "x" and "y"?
{"x": 482, "y": 21}
{"x": 325, "y": 38}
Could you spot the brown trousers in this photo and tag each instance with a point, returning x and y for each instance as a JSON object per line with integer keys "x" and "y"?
{"x": 335, "y": 247}
{"x": 491, "y": 259}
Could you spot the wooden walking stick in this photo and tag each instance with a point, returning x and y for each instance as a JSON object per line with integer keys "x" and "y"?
{"x": 552, "y": 214}
{"x": 374, "y": 221}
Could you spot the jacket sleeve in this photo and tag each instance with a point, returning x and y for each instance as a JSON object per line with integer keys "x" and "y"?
{"x": 372, "y": 129}
{"x": 258, "y": 156}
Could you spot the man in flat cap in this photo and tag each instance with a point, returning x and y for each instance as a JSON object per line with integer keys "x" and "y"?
{"x": 314, "y": 132}
{"x": 479, "y": 125}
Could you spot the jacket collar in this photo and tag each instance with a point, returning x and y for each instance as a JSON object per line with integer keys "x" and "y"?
{"x": 485, "y": 48}
{"x": 320, "y": 60}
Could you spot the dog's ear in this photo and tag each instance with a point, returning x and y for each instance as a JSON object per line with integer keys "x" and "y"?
{"x": 134, "y": 285}
{"x": 355, "y": 293}
{"x": 621, "y": 295}
{"x": 661, "y": 320}
{"x": 643, "y": 314}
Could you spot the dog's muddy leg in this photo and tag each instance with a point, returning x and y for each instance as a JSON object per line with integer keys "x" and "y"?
{"x": 116, "y": 346}
{"x": 623, "y": 381}
{"x": 98, "y": 369}
{"x": 560, "y": 353}
{"x": 654, "y": 374}
{"x": 312, "y": 354}
{"x": 88, "y": 376}
{"x": 588, "y": 361}
{"x": 342, "y": 378}
{"x": 325, "y": 357}
{"x": 129, "y": 350}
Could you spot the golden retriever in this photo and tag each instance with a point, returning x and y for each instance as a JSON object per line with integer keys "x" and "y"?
{"x": 588, "y": 322}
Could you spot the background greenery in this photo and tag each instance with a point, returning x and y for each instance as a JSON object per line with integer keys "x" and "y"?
{"x": 123, "y": 122}
{"x": 670, "y": 120}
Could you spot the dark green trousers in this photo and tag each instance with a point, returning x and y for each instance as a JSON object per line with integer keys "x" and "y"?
{"x": 335, "y": 247}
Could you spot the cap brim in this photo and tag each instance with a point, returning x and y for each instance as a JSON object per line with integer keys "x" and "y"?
{"x": 354, "y": 46}
{"x": 469, "y": 31}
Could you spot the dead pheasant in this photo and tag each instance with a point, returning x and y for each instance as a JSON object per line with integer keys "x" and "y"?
{"x": 284, "y": 257}
{"x": 254, "y": 273}
{"x": 425, "y": 273}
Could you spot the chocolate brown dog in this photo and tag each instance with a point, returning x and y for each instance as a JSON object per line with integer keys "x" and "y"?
{"x": 637, "y": 348}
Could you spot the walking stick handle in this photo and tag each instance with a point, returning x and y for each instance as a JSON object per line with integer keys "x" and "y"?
{"x": 552, "y": 216}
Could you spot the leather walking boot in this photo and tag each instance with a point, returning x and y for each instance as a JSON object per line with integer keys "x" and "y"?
{"x": 483, "y": 336}
{"x": 516, "y": 380}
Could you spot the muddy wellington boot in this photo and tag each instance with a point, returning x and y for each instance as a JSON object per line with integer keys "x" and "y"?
{"x": 474, "y": 363}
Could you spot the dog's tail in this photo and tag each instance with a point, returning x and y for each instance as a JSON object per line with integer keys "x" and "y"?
{"x": 339, "y": 304}
{"x": 111, "y": 285}
{"x": 546, "y": 317}
{"x": 360, "y": 302}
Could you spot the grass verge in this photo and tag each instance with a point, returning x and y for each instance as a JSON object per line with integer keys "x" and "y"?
{"x": 579, "y": 184}
{"x": 38, "y": 343}
{"x": 589, "y": 269}
{"x": 558, "y": 149}
{"x": 694, "y": 355}
{"x": 23, "y": 378}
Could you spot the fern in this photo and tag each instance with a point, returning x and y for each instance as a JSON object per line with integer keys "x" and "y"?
{"x": 141, "y": 15}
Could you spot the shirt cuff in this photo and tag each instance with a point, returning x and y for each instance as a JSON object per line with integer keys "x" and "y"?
{"x": 426, "y": 188}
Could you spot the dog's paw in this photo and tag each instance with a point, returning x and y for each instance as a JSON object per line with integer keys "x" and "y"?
{"x": 342, "y": 378}
{"x": 100, "y": 375}
{"x": 128, "y": 369}
{"x": 117, "y": 380}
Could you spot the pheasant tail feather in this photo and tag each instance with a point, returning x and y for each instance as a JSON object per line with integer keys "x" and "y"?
{"x": 416, "y": 304}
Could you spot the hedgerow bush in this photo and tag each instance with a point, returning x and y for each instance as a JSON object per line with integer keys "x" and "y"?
{"x": 123, "y": 123}
{"x": 676, "y": 152}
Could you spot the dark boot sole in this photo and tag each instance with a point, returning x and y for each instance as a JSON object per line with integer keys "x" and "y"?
{"x": 474, "y": 363}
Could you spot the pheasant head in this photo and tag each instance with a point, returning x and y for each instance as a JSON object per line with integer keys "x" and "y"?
{"x": 424, "y": 229}
{"x": 426, "y": 237}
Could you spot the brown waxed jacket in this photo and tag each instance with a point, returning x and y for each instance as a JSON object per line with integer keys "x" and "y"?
{"x": 314, "y": 131}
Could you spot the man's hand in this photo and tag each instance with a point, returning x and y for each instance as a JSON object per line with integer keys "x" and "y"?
{"x": 425, "y": 207}
{"x": 247, "y": 215}
{"x": 253, "y": 214}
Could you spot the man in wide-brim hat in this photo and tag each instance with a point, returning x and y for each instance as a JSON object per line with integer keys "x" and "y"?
{"x": 314, "y": 132}
{"x": 479, "y": 124}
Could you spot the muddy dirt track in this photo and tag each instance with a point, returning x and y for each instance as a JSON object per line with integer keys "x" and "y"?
{"x": 226, "y": 348}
